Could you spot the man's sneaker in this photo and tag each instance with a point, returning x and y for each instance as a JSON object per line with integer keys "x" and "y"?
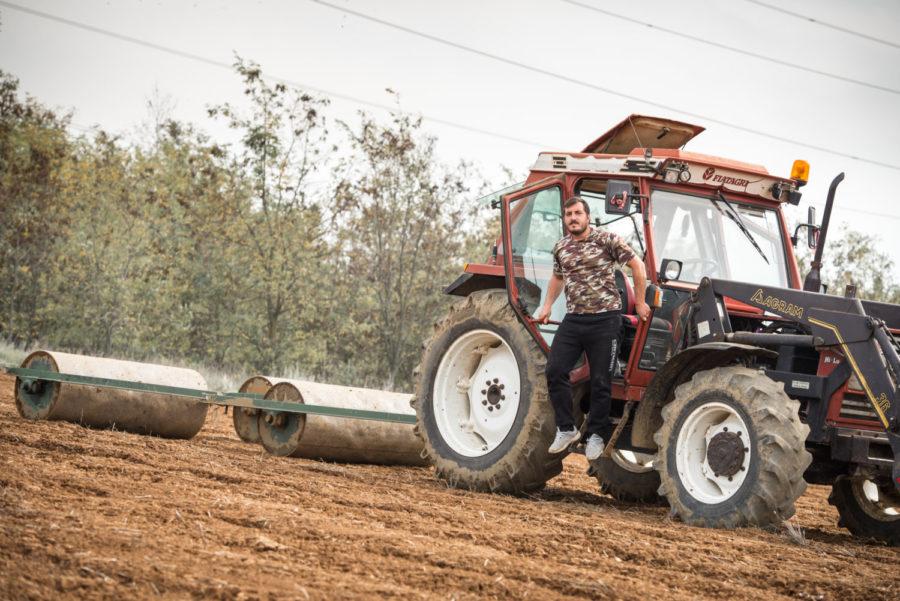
{"x": 594, "y": 447}
{"x": 563, "y": 440}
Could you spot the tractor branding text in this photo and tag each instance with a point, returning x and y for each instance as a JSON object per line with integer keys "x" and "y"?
{"x": 776, "y": 304}
{"x": 883, "y": 403}
{"x": 738, "y": 182}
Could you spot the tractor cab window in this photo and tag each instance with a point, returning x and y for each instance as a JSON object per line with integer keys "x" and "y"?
{"x": 536, "y": 225}
{"x": 704, "y": 233}
{"x": 628, "y": 227}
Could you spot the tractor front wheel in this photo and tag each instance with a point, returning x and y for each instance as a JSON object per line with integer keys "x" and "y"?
{"x": 867, "y": 509}
{"x": 481, "y": 399}
{"x": 732, "y": 450}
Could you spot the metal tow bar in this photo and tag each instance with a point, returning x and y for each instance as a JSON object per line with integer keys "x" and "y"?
{"x": 35, "y": 378}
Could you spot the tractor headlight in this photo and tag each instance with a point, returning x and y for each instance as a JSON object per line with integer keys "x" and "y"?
{"x": 685, "y": 175}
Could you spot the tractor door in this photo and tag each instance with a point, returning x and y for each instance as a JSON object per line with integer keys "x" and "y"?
{"x": 532, "y": 224}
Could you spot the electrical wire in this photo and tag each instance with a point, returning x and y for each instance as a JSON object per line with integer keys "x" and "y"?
{"x": 720, "y": 46}
{"x": 610, "y": 91}
{"x": 861, "y": 211}
{"x": 871, "y": 38}
{"x": 224, "y": 65}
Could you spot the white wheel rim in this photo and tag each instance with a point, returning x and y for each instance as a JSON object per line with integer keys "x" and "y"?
{"x": 881, "y": 505}
{"x": 476, "y": 371}
{"x": 637, "y": 463}
{"x": 698, "y": 430}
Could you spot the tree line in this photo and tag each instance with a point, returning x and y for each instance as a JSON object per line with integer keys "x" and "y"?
{"x": 190, "y": 250}
{"x": 183, "y": 249}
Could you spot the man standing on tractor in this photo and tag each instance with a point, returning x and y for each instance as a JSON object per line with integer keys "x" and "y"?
{"x": 585, "y": 261}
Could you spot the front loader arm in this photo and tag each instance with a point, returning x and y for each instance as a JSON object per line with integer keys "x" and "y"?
{"x": 832, "y": 321}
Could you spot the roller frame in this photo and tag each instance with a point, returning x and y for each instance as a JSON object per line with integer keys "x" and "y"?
{"x": 222, "y": 399}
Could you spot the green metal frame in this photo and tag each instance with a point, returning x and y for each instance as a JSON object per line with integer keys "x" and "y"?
{"x": 223, "y": 399}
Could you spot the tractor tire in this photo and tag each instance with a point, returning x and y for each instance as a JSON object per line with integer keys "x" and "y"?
{"x": 481, "y": 400}
{"x": 628, "y": 477}
{"x": 732, "y": 450}
{"x": 867, "y": 510}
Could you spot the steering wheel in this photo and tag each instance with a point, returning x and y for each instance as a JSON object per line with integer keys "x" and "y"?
{"x": 707, "y": 266}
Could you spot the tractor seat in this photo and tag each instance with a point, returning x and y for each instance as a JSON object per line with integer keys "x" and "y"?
{"x": 626, "y": 294}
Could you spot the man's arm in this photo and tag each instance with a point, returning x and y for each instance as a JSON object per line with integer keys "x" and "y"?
{"x": 640, "y": 287}
{"x": 553, "y": 289}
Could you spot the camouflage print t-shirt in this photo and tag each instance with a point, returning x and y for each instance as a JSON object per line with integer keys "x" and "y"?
{"x": 588, "y": 268}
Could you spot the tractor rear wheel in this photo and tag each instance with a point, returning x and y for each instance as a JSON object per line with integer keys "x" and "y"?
{"x": 867, "y": 509}
{"x": 481, "y": 399}
{"x": 732, "y": 450}
{"x": 628, "y": 476}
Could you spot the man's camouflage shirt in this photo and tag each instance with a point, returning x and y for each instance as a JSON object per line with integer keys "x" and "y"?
{"x": 588, "y": 268}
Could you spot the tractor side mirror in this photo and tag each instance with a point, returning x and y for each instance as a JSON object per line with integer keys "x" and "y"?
{"x": 618, "y": 199}
{"x": 670, "y": 269}
{"x": 812, "y": 230}
{"x": 812, "y": 236}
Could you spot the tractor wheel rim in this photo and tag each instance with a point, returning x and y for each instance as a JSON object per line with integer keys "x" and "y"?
{"x": 879, "y": 502}
{"x": 636, "y": 463}
{"x": 692, "y": 457}
{"x": 476, "y": 393}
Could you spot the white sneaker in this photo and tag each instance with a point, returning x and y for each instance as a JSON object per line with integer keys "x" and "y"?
{"x": 564, "y": 440}
{"x": 594, "y": 447}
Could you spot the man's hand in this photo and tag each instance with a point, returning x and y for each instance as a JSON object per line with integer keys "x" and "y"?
{"x": 643, "y": 310}
{"x": 543, "y": 315}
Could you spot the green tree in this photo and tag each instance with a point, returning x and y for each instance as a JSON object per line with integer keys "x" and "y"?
{"x": 281, "y": 243}
{"x": 405, "y": 226}
{"x": 185, "y": 300}
{"x": 34, "y": 145}
{"x": 852, "y": 257}
{"x": 96, "y": 258}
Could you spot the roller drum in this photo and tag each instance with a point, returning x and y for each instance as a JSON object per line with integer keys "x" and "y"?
{"x": 139, "y": 412}
{"x": 339, "y": 438}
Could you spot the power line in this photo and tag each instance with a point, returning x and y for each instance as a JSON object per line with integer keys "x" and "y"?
{"x": 763, "y": 57}
{"x": 824, "y": 24}
{"x": 591, "y": 86}
{"x": 861, "y": 211}
{"x": 221, "y": 64}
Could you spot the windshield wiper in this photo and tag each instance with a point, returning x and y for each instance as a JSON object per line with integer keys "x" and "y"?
{"x": 736, "y": 217}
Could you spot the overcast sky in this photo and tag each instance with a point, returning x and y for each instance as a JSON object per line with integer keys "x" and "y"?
{"x": 567, "y": 55}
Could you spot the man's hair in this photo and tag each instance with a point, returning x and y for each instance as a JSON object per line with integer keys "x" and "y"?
{"x": 574, "y": 201}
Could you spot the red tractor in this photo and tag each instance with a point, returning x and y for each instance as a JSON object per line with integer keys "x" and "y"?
{"x": 746, "y": 383}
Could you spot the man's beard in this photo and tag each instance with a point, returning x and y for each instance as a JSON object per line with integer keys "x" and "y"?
{"x": 577, "y": 232}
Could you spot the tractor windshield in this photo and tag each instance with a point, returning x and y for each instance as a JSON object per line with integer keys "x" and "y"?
{"x": 694, "y": 231}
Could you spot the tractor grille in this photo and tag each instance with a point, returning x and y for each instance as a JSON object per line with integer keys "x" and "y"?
{"x": 857, "y": 406}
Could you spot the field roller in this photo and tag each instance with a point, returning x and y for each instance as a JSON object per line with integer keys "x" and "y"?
{"x": 288, "y": 417}
{"x": 317, "y": 436}
{"x": 141, "y": 412}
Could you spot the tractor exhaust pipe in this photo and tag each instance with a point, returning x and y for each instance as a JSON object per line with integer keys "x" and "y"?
{"x": 813, "y": 281}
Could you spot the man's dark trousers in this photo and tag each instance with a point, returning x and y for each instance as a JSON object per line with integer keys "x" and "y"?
{"x": 595, "y": 334}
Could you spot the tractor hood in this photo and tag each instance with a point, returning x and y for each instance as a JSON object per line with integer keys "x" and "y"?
{"x": 641, "y": 131}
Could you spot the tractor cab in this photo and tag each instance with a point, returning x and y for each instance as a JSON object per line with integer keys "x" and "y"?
{"x": 688, "y": 215}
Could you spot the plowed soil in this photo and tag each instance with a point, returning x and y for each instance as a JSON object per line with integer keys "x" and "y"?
{"x": 92, "y": 514}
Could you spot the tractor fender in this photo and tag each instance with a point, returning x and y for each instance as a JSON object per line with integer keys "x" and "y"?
{"x": 468, "y": 283}
{"x": 676, "y": 371}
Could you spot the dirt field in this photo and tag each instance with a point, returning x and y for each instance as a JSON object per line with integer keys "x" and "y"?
{"x": 95, "y": 514}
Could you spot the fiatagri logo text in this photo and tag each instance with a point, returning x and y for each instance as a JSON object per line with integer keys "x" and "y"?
{"x": 725, "y": 180}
